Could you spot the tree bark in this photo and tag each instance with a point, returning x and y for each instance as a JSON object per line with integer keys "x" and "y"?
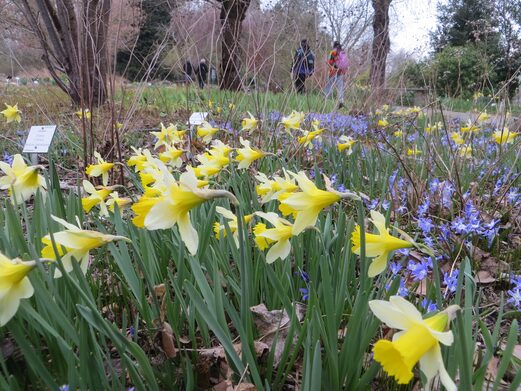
{"x": 73, "y": 40}
{"x": 381, "y": 45}
{"x": 233, "y": 13}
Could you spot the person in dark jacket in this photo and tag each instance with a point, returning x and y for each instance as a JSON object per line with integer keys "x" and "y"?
{"x": 202, "y": 73}
{"x": 187, "y": 71}
{"x": 303, "y": 65}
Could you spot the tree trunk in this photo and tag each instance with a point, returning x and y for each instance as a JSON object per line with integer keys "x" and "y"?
{"x": 381, "y": 45}
{"x": 73, "y": 40}
{"x": 233, "y": 13}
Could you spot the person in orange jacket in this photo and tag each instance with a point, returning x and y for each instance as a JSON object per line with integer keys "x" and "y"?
{"x": 337, "y": 68}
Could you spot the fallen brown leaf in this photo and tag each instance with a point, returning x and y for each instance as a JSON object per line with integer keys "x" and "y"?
{"x": 167, "y": 340}
{"x": 484, "y": 277}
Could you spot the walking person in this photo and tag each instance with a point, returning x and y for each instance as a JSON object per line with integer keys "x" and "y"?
{"x": 202, "y": 73}
{"x": 303, "y": 65}
{"x": 187, "y": 71}
{"x": 338, "y": 64}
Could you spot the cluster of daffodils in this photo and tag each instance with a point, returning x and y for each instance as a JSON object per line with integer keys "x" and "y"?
{"x": 72, "y": 243}
{"x": 20, "y": 180}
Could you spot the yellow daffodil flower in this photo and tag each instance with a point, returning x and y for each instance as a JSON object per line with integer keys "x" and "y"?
{"x": 378, "y": 246}
{"x": 247, "y": 155}
{"x": 470, "y": 127}
{"x": 477, "y": 95}
{"x": 277, "y": 238}
{"x": 206, "y": 131}
{"x": 100, "y": 168}
{"x": 286, "y": 210}
{"x": 398, "y": 133}
{"x": 173, "y": 206}
{"x": 309, "y": 202}
{"x": 231, "y": 106}
{"x": 431, "y": 128}
{"x": 83, "y": 113}
{"x": 271, "y": 189}
{"x": 233, "y": 225}
{"x": 14, "y": 286}
{"x": 504, "y": 137}
{"x": 220, "y": 151}
{"x": 96, "y": 196}
{"x": 483, "y": 117}
{"x": 138, "y": 160}
{"x": 115, "y": 199}
{"x": 413, "y": 151}
{"x": 293, "y": 121}
{"x": 465, "y": 151}
{"x": 249, "y": 124}
{"x": 456, "y": 137}
{"x": 382, "y": 123}
{"x": 418, "y": 341}
{"x": 345, "y": 143}
{"x": 168, "y": 136}
{"x": 172, "y": 156}
{"x": 308, "y": 137}
{"x": 214, "y": 159}
{"x": 76, "y": 243}
{"x": 12, "y": 113}
{"x": 21, "y": 180}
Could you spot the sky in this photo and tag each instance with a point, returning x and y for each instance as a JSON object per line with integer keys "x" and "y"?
{"x": 411, "y": 22}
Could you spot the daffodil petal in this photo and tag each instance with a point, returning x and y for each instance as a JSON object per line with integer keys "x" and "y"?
{"x": 408, "y": 309}
{"x": 378, "y": 265}
{"x": 305, "y": 218}
{"x": 390, "y": 315}
{"x": 160, "y": 216}
{"x": 431, "y": 364}
{"x": 188, "y": 233}
{"x": 278, "y": 250}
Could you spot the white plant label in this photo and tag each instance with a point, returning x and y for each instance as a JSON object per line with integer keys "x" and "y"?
{"x": 39, "y": 139}
{"x": 197, "y": 118}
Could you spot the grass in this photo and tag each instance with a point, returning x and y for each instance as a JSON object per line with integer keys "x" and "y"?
{"x": 150, "y": 315}
{"x": 483, "y": 104}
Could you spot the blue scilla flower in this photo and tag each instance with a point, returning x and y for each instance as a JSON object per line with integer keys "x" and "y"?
{"x": 428, "y": 241}
{"x": 373, "y": 204}
{"x": 425, "y": 224}
{"x": 401, "y": 209}
{"x": 490, "y": 230}
{"x": 8, "y": 158}
{"x": 516, "y": 281}
{"x": 386, "y": 204}
{"x": 341, "y": 188}
{"x": 423, "y": 209}
{"x": 402, "y": 290}
{"x": 450, "y": 280}
{"x": 395, "y": 267}
{"x": 513, "y": 196}
{"x": 305, "y": 293}
{"x": 428, "y": 305}
{"x": 419, "y": 270}
{"x": 434, "y": 185}
{"x": 459, "y": 225}
{"x": 514, "y": 297}
{"x": 65, "y": 387}
{"x": 446, "y": 194}
{"x": 303, "y": 276}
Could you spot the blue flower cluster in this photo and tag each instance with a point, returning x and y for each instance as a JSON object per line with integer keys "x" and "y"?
{"x": 514, "y": 294}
